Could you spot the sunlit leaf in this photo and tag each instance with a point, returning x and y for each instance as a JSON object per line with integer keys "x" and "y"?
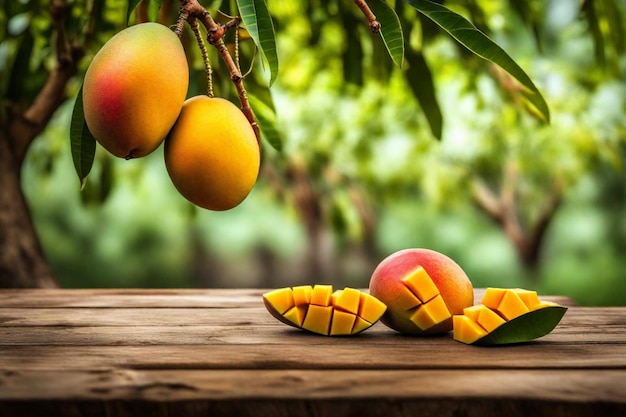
{"x": 528, "y": 326}
{"x": 258, "y": 22}
{"x": 421, "y": 83}
{"x": 266, "y": 119}
{"x": 83, "y": 144}
{"x": 390, "y": 30}
{"x": 477, "y": 42}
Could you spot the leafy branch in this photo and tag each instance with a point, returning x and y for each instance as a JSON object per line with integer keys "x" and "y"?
{"x": 190, "y": 11}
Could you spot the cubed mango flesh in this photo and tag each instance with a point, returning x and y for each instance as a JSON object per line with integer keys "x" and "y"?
{"x": 342, "y": 323}
{"x": 498, "y": 306}
{"x": 348, "y": 311}
{"x": 296, "y": 314}
{"x": 321, "y": 295}
{"x": 302, "y": 294}
{"x": 466, "y": 330}
{"x": 511, "y": 306}
{"x": 281, "y": 299}
{"x": 489, "y": 319}
{"x": 370, "y": 308}
{"x": 421, "y": 285}
{"x": 318, "y": 319}
{"x": 347, "y": 300}
{"x": 431, "y": 313}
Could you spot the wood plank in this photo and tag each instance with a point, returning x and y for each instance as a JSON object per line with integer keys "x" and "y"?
{"x": 107, "y": 298}
{"x": 344, "y": 354}
{"x": 244, "y": 332}
{"x": 157, "y": 298}
{"x": 175, "y": 385}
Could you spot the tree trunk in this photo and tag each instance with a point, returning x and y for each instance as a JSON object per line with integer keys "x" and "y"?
{"x": 22, "y": 263}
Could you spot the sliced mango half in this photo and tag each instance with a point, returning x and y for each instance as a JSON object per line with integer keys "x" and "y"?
{"x": 319, "y": 309}
{"x": 505, "y": 316}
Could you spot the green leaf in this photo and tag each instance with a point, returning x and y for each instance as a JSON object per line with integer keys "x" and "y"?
{"x": 83, "y": 144}
{"x": 256, "y": 17}
{"x": 478, "y": 43}
{"x": 390, "y": 30}
{"x": 528, "y": 326}
{"x": 132, "y": 5}
{"x": 153, "y": 9}
{"x": 421, "y": 83}
{"x": 266, "y": 119}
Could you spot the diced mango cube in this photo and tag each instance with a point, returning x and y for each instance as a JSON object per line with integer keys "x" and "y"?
{"x": 302, "y": 294}
{"x": 342, "y": 323}
{"x": 511, "y": 306}
{"x": 492, "y": 297}
{"x": 296, "y": 314}
{"x": 466, "y": 330}
{"x": 431, "y": 313}
{"x": 489, "y": 319}
{"x": 318, "y": 319}
{"x": 473, "y": 311}
{"x": 348, "y": 300}
{"x": 421, "y": 284}
{"x": 543, "y": 304}
{"x": 371, "y": 308}
{"x": 530, "y": 298}
{"x": 280, "y": 299}
{"x": 360, "y": 325}
{"x": 405, "y": 299}
{"x": 321, "y": 295}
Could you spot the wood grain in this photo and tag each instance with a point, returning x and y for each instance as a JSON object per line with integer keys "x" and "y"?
{"x": 192, "y": 352}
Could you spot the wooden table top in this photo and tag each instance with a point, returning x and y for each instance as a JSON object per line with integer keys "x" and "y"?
{"x": 219, "y": 352}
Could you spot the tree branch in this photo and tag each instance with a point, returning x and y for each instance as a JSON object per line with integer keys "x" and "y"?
{"x": 191, "y": 9}
{"x": 26, "y": 126}
{"x": 369, "y": 15}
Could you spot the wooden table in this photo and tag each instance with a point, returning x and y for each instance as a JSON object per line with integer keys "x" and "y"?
{"x": 219, "y": 353}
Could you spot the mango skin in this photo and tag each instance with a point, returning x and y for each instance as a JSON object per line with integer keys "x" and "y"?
{"x": 212, "y": 154}
{"x": 453, "y": 284}
{"x": 134, "y": 89}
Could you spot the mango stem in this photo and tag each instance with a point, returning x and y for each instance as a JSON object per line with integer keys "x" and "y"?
{"x": 191, "y": 10}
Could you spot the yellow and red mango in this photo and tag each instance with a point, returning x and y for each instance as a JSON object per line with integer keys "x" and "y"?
{"x": 422, "y": 289}
{"x": 322, "y": 311}
{"x": 134, "y": 89}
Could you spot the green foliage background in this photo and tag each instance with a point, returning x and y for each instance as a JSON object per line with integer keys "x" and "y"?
{"x": 352, "y": 119}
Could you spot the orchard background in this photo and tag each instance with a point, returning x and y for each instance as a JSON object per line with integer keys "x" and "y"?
{"x": 365, "y": 150}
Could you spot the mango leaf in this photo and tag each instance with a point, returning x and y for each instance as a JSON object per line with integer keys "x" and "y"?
{"x": 132, "y": 5}
{"x": 390, "y": 30}
{"x": 257, "y": 20}
{"x": 266, "y": 118}
{"x": 421, "y": 83}
{"x": 83, "y": 144}
{"x": 528, "y": 326}
{"x": 478, "y": 43}
{"x": 153, "y": 9}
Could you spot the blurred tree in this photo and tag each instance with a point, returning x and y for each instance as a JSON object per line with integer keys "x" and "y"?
{"x": 358, "y": 160}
